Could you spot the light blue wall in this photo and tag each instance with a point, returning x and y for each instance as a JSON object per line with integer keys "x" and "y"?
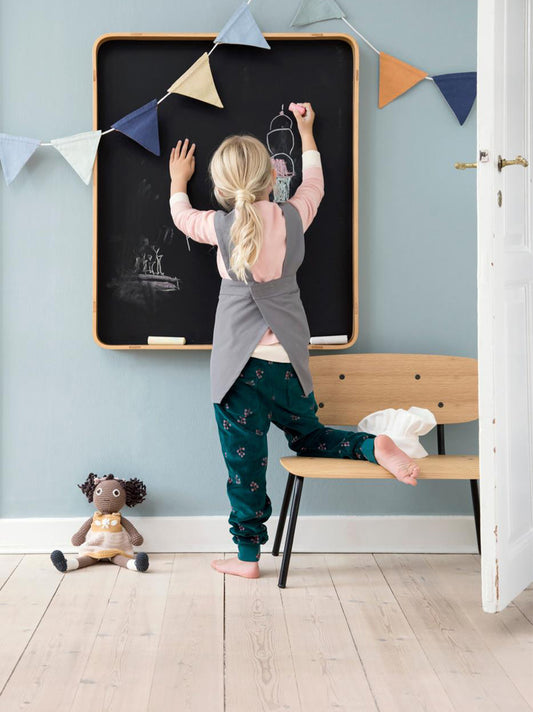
{"x": 70, "y": 407}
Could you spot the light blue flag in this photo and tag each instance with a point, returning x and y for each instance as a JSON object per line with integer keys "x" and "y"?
{"x": 15, "y": 152}
{"x": 317, "y": 10}
{"x": 242, "y": 29}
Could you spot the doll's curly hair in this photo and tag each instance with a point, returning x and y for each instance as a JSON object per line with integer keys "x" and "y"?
{"x": 135, "y": 489}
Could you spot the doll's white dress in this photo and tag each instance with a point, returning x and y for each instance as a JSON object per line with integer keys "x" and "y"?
{"x": 107, "y": 537}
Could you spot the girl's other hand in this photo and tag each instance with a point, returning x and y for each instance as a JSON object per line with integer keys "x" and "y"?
{"x": 305, "y": 123}
{"x": 181, "y": 163}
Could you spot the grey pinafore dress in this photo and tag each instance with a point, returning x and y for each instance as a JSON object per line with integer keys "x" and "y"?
{"x": 245, "y": 310}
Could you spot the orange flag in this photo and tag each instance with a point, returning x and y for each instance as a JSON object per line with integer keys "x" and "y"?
{"x": 197, "y": 82}
{"x": 395, "y": 78}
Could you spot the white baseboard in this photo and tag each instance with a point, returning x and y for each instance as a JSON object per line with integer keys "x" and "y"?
{"x": 402, "y": 534}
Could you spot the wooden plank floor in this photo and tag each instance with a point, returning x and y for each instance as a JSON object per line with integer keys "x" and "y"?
{"x": 388, "y": 632}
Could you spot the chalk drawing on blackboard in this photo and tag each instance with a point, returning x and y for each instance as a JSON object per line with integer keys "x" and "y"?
{"x": 280, "y": 142}
{"x": 141, "y": 280}
{"x": 140, "y": 254}
{"x": 148, "y": 268}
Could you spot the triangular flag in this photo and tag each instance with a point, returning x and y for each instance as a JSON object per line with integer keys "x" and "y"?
{"x": 80, "y": 151}
{"x": 15, "y": 152}
{"x": 395, "y": 78}
{"x": 242, "y": 29}
{"x": 141, "y": 126}
{"x": 197, "y": 82}
{"x": 317, "y": 10}
{"x": 459, "y": 90}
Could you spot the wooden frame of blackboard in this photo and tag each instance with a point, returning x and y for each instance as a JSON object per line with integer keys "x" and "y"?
{"x": 210, "y": 37}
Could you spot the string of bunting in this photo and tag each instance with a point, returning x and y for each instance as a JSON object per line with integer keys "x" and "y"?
{"x": 396, "y": 77}
{"x": 79, "y": 150}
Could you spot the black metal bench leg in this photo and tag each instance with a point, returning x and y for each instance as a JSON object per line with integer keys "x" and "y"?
{"x": 475, "y": 503}
{"x": 283, "y": 514}
{"x": 290, "y": 532}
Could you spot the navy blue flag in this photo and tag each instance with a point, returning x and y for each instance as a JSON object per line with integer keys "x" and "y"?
{"x": 141, "y": 126}
{"x": 459, "y": 90}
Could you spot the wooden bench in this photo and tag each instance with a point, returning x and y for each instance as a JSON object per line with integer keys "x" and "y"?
{"x": 349, "y": 387}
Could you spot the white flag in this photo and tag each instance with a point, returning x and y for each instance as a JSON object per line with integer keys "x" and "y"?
{"x": 80, "y": 151}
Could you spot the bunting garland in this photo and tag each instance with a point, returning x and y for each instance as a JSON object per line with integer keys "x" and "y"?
{"x": 141, "y": 125}
{"x": 197, "y": 82}
{"x": 80, "y": 151}
{"x": 397, "y": 77}
{"x": 15, "y": 152}
{"x": 459, "y": 90}
{"x": 242, "y": 29}
{"x": 317, "y": 11}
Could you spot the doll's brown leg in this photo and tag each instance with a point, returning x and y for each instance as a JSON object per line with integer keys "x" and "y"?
{"x": 86, "y": 561}
{"x": 120, "y": 560}
{"x": 139, "y": 563}
{"x": 72, "y": 563}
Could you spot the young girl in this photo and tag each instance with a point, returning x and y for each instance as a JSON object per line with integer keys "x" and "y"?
{"x": 260, "y": 359}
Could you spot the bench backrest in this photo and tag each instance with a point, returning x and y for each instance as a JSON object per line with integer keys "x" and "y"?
{"x": 349, "y": 387}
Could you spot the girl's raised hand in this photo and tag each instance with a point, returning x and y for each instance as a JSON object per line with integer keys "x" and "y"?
{"x": 305, "y": 123}
{"x": 181, "y": 163}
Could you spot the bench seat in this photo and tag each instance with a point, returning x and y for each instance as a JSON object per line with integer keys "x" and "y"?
{"x": 432, "y": 467}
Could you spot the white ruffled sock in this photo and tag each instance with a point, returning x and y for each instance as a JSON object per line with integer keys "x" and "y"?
{"x": 72, "y": 564}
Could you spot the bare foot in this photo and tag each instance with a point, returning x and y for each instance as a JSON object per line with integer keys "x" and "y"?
{"x": 395, "y": 460}
{"x": 247, "y": 569}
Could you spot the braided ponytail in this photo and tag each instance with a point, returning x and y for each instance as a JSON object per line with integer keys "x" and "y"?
{"x": 240, "y": 170}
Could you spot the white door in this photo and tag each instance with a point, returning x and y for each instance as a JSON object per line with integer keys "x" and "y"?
{"x": 505, "y": 298}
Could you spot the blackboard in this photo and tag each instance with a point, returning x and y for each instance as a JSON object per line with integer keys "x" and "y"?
{"x": 133, "y": 230}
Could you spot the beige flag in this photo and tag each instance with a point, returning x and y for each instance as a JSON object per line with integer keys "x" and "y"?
{"x": 197, "y": 82}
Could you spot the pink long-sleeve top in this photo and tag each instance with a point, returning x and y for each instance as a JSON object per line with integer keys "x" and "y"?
{"x": 200, "y": 225}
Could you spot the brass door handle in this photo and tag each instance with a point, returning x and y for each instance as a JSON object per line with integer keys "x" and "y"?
{"x": 519, "y": 160}
{"x": 462, "y": 166}
{"x": 502, "y": 162}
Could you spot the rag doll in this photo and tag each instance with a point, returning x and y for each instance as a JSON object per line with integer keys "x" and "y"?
{"x": 107, "y": 535}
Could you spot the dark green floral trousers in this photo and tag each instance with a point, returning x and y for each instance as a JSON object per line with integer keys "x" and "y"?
{"x": 270, "y": 392}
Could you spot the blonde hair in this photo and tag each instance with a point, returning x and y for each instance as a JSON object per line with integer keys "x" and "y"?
{"x": 241, "y": 170}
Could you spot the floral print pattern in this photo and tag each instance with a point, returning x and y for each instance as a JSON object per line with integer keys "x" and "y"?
{"x": 243, "y": 421}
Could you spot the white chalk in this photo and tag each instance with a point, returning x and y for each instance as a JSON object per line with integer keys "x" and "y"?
{"x": 341, "y": 339}
{"x": 167, "y": 340}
